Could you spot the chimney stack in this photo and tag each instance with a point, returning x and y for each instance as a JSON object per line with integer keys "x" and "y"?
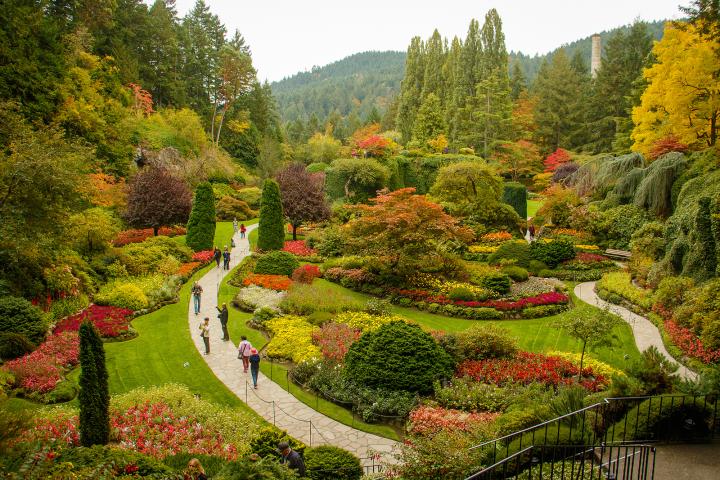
{"x": 596, "y": 55}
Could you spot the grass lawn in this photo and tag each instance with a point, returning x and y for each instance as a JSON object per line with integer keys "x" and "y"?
{"x": 533, "y": 206}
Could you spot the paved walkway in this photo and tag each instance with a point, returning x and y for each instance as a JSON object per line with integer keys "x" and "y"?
{"x": 646, "y": 334}
{"x": 269, "y": 400}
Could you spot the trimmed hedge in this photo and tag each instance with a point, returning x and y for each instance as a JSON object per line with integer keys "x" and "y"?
{"x": 277, "y": 263}
{"x": 515, "y": 194}
{"x": 201, "y": 225}
{"x": 332, "y": 463}
{"x": 271, "y": 229}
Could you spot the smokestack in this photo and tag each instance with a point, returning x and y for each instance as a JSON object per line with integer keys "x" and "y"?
{"x": 596, "y": 55}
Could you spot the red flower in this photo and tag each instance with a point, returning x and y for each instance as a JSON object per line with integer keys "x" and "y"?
{"x": 299, "y": 248}
{"x": 306, "y": 273}
{"x": 203, "y": 256}
{"x": 42, "y": 369}
{"x": 110, "y": 321}
{"x": 690, "y": 344}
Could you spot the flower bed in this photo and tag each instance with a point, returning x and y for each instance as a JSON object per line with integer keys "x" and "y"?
{"x": 203, "y": 256}
{"x": 136, "y": 236}
{"x": 617, "y": 286}
{"x": 528, "y": 368}
{"x": 589, "y": 248}
{"x": 187, "y": 269}
{"x": 335, "y": 339}
{"x": 292, "y": 339}
{"x": 306, "y": 273}
{"x": 427, "y": 420}
{"x": 299, "y": 248}
{"x": 598, "y": 367}
{"x": 548, "y": 298}
{"x": 272, "y": 282}
{"x": 110, "y": 321}
{"x": 366, "y": 322}
{"x": 690, "y": 344}
{"x": 42, "y": 369}
{"x": 253, "y": 297}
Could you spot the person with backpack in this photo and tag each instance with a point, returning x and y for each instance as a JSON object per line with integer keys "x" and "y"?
{"x": 254, "y": 360}
{"x": 226, "y": 258}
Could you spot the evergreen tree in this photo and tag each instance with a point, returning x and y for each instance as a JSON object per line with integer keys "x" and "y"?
{"x": 518, "y": 84}
{"x": 467, "y": 76}
{"x": 429, "y": 122}
{"x": 411, "y": 88}
{"x": 450, "y": 69}
{"x": 491, "y": 113}
{"x": 201, "y": 226}
{"x": 160, "y": 66}
{"x": 271, "y": 229}
{"x": 93, "y": 397}
{"x": 434, "y": 60}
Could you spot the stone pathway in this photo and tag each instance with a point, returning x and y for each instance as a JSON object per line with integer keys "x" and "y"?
{"x": 646, "y": 334}
{"x": 270, "y": 400}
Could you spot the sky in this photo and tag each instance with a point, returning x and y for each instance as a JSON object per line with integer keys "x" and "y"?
{"x": 290, "y": 36}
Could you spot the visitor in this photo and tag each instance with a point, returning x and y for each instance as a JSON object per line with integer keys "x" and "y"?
{"x": 205, "y": 334}
{"x": 291, "y": 458}
{"x": 226, "y": 258}
{"x": 235, "y": 225}
{"x": 223, "y": 316}
{"x": 195, "y": 471}
{"x": 196, "y": 294}
{"x": 244, "y": 351}
{"x": 232, "y": 242}
{"x": 254, "y": 360}
{"x": 217, "y": 255}
{"x": 243, "y": 229}
{"x": 531, "y": 230}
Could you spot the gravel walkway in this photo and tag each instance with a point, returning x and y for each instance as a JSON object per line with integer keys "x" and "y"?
{"x": 269, "y": 400}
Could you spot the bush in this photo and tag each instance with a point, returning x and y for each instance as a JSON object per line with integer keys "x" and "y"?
{"x": 112, "y": 456}
{"x": 229, "y": 208}
{"x": 480, "y": 342}
{"x": 471, "y": 396}
{"x": 277, "y": 263}
{"x": 266, "y": 441}
{"x": 68, "y": 306}
{"x": 250, "y": 195}
{"x": 17, "y": 315}
{"x": 271, "y": 229}
{"x": 515, "y": 195}
{"x": 620, "y": 285}
{"x": 64, "y": 391}
{"x": 14, "y": 345}
{"x": 305, "y": 299}
{"x": 397, "y": 356}
{"x": 462, "y": 294}
{"x": 331, "y": 244}
{"x": 201, "y": 225}
{"x": 536, "y": 266}
{"x": 329, "y": 463}
{"x": 266, "y": 468}
{"x": 306, "y": 274}
{"x": 518, "y": 251}
{"x": 552, "y": 253}
{"x": 518, "y": 274}
{"x": 124, "y": 295}
{"x": 661, "y": 418}
{"x": 497, "y": 282}
{"x": 211, "y": 463}
{"x": 542, "y": 311}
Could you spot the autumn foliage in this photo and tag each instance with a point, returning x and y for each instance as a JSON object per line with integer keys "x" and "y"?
{"x": 555, "y": 159}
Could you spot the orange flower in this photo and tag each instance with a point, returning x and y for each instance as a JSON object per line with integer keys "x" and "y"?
{"x": 272, "y": 282}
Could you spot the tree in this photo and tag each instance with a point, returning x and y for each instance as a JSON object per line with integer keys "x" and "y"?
{"x": 271, "y": 229}
{"x": 303, "y": 195}
{"x": 592, "y": 328}
{"x": 236, "y": 75}
{"x": 429, "y": 121}
{"x": 467, "y": 187}
{"x": 157, "y": 198}
{"x": 355, "y": 179}
{"x": 683, "y": 95}
{"x": 518, "y": 159}
{"x": 92, "y": 230}
{"x": 201, "y": 225}
{"x": 94, "y": 398}
{"x": 411, "y": 88}
{"x": 322, "y": 148}
{"x": 555, "y": 159}
{"x": 518, "y": 83}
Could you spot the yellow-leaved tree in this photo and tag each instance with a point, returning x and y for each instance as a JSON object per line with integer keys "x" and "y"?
{"x": 682, "y": 99}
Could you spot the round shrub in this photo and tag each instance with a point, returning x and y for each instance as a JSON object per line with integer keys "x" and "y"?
{"x": 462, "y": 294}
{"x": 14, "y": 345}
{"x": 518, "y": 274}
{"x": 536, "y": 266}
{"x": 125, "y": 295}
{"x": 397, "y": 356}
{"x": 497, "y": 282}
{"x": 229, "y": 208}
{"x": 518, "y": 250}
{"x": 330, "y": 463}
{"x": 266, "y": 441}
{"x": 552, "y": 253}
{"x": 64, "y": 391}
{"x": 485, "y": 341}
{"x": 317, "y": 167}
{"x": 201, "y": 225}
{"x": 17, "y": 315}
{"x": 277, "y": 263}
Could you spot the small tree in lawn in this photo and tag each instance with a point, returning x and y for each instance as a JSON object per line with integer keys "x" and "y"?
{"x": 157, "y": 198}
{"x": 201, "y": 226}
{"x": 94, "y": 398}
{"x": 591, "y": 327}
{"x": 303, "y": 196}
{"x": 271, "y": 228}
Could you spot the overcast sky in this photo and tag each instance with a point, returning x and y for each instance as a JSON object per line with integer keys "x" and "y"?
{"x": 289, "y": 36}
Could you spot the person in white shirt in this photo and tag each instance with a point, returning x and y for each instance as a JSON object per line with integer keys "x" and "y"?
{"x": 244, "y": 349}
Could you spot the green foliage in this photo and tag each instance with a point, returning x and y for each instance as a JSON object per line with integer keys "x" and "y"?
{"x": 266, "y": 441}
{"x": 462, "y": 294}
{"x": 229, "y": 208}
{"x": 125, "y": 295}
{"x": 481, "y": 342}
{"x": 517, "y": 251}
{"x": 355, "y": 179}
{"x": 654, "y": 371}
{"x": 700, "y": 312}
{"x": 211, "y": 464}
{"x": 328, "y": 463}
{"x": 517, "y": 274}
{"x": 201, "y": 225}
{"x": 515, "y": 195}
{"x": 308, "y": 299}
{"x": 648, "y": 240}
{"x": 317, "y": 167}
{"x": 14, "y": 345}
{"x": 496, "y": 281}
{"x": 277, "y": 263}
{"x": 271, "y": 230}
{"x": 17, "y": 315}
{"x": 655, "y": 190}
{"x": 471, "y": 396}
{"x": 397, "y": 356}
{"x": 97, "y": 455}
{"x": 265, "y": 468}
{"x": 64, "y": 391}
{"x": 552, "y": 253}
{"x": 251, "y": 196}
{"x": 330, "y": 242}
{"x": 94, "y": 397}
{"x": 620, "y": 284}
{"x": 180, "y": 129}
{"x": 536, "y": 266}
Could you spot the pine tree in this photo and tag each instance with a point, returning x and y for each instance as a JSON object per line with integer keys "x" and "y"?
{"x": 434, "y": 60}
{"x": 271, "y": 229}
{"x": 491, "y": 113}
{"x": 449, "y": 80}
{"x": 93, "y": 396}
{"x": 201, "y": 226}
{"x": 410, "y": 88}
{"x": 467, "y": 76}
{"x": 429, "y": 122}
{"x": 518, "y": 83}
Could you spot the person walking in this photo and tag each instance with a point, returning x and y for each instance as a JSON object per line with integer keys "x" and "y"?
{"x": 531, "y": 231}
{"x": 244, "y": 349}
{"x": 195, "y": 470}
{"x": 205, "y": 334}
{"x": 254, "y": 360}
{"x": 223, "y": 316}
{"x": 226, "y": 258}
{"x": 217, "y": 255}
{"x": 243, "y": 229}
{"x": 196, "y": 295}
{"x": 235, "y": 225}
{"x": 291, "y": 458}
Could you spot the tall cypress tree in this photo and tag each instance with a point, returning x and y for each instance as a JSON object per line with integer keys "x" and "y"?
{"x": 201, "y": 226}
{"x": 411, "y": 88}
{"x": 93, "y": 396}
{"x": 271, "y": 229}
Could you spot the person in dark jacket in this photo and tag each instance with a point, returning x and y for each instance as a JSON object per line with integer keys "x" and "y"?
{"x": 291, "y": 458}
{"x": 217, "y": 255}
{"x": 223, "y": 316}
{"x": 226, "y": 258}
{"x": 254, "y": 365}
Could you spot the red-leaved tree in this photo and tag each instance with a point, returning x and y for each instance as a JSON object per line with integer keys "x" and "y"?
{"x": 555, "y": 159}
{"x": 303, "y": 196}
{"x": 157, "y": 198}
{"x": 666, "y": 145}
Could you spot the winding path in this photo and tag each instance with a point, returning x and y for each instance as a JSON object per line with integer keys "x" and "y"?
{"x": 270, "y": 401}
{"x": 646, "y": 334}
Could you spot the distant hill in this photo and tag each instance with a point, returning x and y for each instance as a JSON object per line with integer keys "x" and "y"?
{"x": 365, "y": 80}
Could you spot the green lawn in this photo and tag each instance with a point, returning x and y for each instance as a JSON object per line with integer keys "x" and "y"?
{"x": 533, "y": 206}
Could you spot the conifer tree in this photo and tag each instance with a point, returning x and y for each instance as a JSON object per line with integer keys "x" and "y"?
{"x": 201, "y": 226}
{"x": 434, "y": 59}
{"x": 411, "y": 88}
{"x": 271, "y": 229}
{"x": 518, "y": 83}
{"x": 93, "y": 396}
{"x": 429, "y": 122}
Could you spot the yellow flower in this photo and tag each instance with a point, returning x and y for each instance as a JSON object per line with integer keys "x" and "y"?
{"x": 598, "y": 367}
{"x": 587, "y": 247}
{"x": 366, "y": 322}
{"x": 292, "y": 339}
{"x": 483, "y": 248}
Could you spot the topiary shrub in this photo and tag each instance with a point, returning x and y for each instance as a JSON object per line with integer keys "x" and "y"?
{"x": 518, "y": 274}
{"x": 497, "y": 282}
{"x": 277, "y": 263}
{"x": 14, "y": 345}
{"x": 271, "y": 229}
{"x": 461, "y": 293}
{"x": 229, "y": 208}
{"x": 515, "y": 195}
{"x": 201, "y": 225}
{"x": 17, "y": 315}
{"x": 480, "y": 342}
{"x": 332, "y": 463}
{"x": 552, "y": 253}
{"x": 518, "y": 251}
{"x": 397, "y": 356}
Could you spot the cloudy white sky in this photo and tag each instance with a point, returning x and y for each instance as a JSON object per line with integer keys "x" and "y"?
{"x": 287, "y": 36}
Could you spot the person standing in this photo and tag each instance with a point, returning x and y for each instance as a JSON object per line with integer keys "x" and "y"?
{"x": 291, "y": 458}
{"x": 205, "y": 334}
{"x": 244, "y": 349}
{"x": 531, "y": 231}
{"x": 226, "y": 258}
{"x": 235, "y": 225}
{"x": 217, "y": 255}
{"x": 223, "y": 316}
{"x": 254, "y": 360}
{"x": 196, "y": 294}
{"x": 243, "y": 229}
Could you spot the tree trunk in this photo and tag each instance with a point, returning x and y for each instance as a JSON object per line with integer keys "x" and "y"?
{"x": 155, "y": 231}
{"x": 713, "y": 128}
{"x": 222, "y": 119}
{"x": 294, "y": 227}
{"x": 212, "y": 120}
{"x": 582, "y": 358}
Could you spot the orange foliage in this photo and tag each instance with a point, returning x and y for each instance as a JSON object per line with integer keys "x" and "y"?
{"x": 272, "y": 282}
{"x": 107, "y": 191}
